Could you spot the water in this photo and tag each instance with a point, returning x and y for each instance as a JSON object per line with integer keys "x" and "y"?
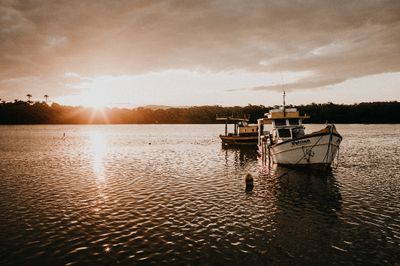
{"x": 169, "y": 194}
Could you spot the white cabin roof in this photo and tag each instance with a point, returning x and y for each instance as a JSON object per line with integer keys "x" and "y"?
{"x": 283, "y": 114}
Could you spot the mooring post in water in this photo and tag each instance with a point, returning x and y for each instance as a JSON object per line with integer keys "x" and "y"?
{"x": 249, "y": 182}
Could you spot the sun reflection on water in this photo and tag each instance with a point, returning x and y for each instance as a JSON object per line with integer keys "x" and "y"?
{"x": 98, "y": 147}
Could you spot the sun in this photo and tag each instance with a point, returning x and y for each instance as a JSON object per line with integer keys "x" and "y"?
{"x": 99, "y": 113}
{"x": 97, "y": 100}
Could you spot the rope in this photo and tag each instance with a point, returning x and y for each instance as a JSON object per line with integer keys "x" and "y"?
{"x": 329, "y": 145}
{"x": 312, "y": 147}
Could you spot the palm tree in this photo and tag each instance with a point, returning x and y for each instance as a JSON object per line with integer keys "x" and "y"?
{"x": 46, "y": 97}
{"x": 29, "y": 97}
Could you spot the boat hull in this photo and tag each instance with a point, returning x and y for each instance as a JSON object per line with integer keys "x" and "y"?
{"x": 239, "y": 140}
{"x": 314, "y": 150}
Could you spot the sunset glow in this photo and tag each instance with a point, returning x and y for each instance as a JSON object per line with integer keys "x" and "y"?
{"x": 216, "y": 52}
{"x": 171, "y": 87}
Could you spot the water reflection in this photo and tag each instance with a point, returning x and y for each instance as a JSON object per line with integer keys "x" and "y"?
{"x": 318, "y": 187}
{"x": 98, "y": 149}
{"x": 181, "y": 200}
{"x": 307, "y": 220}
{"x": 241, "y": 156}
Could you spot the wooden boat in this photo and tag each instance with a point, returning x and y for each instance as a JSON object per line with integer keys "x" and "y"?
{"x": 287, "y": 143}
{"x": 244, "y": 134}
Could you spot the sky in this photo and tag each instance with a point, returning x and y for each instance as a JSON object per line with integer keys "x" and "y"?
{"x": 125, "y": 53}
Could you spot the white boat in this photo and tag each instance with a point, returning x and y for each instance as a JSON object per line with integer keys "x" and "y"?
{"x": 288, "y": 144}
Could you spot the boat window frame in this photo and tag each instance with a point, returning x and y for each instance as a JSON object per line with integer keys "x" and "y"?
{"x": 284, "y": 129}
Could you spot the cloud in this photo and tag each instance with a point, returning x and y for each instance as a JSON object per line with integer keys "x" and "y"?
{"x": 335, "y": 40}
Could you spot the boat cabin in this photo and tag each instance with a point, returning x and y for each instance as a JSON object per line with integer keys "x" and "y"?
{"x": 241, "y": 127}
{"x": 244, "y": 134}
{"x": 247, "y": 129}
{"x": 286, "y": 124}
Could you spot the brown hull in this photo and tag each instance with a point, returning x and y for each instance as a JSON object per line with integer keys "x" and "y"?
{"x": 239, "y": 140}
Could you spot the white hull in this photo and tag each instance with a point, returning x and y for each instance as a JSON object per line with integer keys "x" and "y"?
{"x": 313, "y": 150}
{"x": 309, "y": 150}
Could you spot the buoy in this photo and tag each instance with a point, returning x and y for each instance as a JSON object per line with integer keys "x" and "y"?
{"x": 249, "y": 182}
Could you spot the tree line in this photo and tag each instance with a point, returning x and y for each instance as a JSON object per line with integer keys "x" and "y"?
{"x": 28, "y": 112}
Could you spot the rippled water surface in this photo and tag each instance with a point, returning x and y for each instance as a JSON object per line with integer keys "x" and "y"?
{"x": 169, "y": 194}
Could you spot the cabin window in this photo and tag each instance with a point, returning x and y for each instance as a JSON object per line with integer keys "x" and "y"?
{"x": 280, "y": 122}
{"x": 284, "y": 133}
{"x": 293, "y": 121}
{"x": 298, "y": 132}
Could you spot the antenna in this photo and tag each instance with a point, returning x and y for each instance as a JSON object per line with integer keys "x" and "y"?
{"x": 284, "y": 104}
{"x": 284, "y": 95}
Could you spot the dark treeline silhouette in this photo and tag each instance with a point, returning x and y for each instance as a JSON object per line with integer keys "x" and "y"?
{"x": 21, "y": 112}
